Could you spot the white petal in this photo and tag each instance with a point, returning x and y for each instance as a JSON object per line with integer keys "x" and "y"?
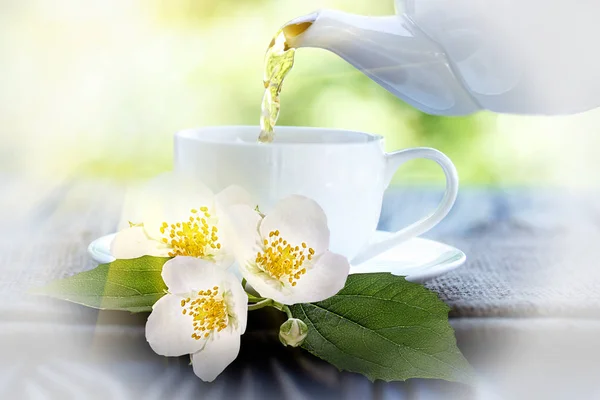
{"x": 230, "y": 196}
{"x": 170, "y": 198}
{"x": 219, "y": 352}
{"x": 298, "y": 219}
{"x": 168, "y": 331}
{"x": 237, "y": 303}
{"x": 131, "y": 210}
{"x": 183, "y": 275}
{"x": 326, "y": 277}
{"x": 266, "y": 286}
{"x": 240, "y": 226}
{"x": 224, "y": 257}
{"x": 233, "y": 195}
{"x": 133, "y": 243}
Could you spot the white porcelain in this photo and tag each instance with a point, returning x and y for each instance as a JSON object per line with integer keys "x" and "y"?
{"x": 346, "y": 172}
{"x": 99, "y": 249}
{"x": 418, "y": 259}
{"x": 457, "y": 57}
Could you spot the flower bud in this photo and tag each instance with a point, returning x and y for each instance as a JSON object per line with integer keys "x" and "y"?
{"x": 293, "y": 332}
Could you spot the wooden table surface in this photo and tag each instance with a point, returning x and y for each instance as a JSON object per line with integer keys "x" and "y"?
{"x": 530, "y": 288}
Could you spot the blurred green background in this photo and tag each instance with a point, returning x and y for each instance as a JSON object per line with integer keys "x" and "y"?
{"x": 97, "y": 88}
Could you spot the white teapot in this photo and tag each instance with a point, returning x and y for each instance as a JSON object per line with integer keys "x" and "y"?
{"x": 455, "y": 57}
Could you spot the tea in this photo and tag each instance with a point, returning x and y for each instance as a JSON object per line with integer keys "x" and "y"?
{"x": 279, "y": 60}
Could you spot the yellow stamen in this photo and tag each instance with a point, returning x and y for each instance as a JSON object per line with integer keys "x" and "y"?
{"x": 282, "y": 261}
{"x": 196, "y": 237}
{"x": 208, "y": 313}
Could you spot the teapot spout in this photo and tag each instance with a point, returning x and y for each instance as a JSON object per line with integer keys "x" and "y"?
{"x": 329, "y": 29}
{"x": 390, "y": 50}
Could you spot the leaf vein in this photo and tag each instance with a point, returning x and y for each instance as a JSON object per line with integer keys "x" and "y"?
{"x": 336, "y": 346}
{"x": 384, "y": 299}
{"x": 388, "y": 340}
{"x": 112, "y": 283}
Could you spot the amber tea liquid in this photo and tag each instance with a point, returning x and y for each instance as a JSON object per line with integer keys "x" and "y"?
{"x": 279, "y": 60}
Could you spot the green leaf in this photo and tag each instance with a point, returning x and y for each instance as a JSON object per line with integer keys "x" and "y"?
{"x": 385, "y": 328}
{"x": 125, "y": 285}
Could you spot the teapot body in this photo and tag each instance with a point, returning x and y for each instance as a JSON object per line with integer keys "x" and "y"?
{"x": 461, "y": 56}
{"x": 516, "y": 56}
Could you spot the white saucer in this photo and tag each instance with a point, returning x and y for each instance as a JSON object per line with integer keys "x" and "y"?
{"x": 418, "y": 259}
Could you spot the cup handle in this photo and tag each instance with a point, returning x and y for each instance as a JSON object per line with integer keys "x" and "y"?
{"x": 393, "y": 162}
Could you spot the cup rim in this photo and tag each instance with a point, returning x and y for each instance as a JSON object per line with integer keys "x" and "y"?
{"x": 192, "y": 134}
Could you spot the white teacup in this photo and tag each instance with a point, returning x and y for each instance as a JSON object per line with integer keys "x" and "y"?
{"x": 346, "y": 172}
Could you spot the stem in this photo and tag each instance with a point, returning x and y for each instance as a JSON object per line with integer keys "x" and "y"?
{"x": 287, "y": 311}
{"x": 260, "y": 304}
{"x": 244, "y": 282}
